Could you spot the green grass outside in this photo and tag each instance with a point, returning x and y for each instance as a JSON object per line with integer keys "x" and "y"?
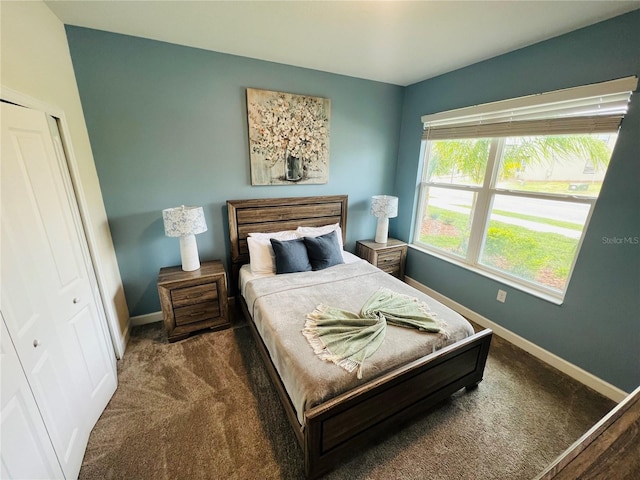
{"x": 456, "y": 243}
{"x": 536, "y": 256}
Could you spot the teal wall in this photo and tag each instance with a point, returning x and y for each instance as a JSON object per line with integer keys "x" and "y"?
{"x": 168, "y": 126}
{"x": 598, "y": 326}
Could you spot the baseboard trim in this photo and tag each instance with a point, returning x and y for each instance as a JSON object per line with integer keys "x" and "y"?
{"x": 147, "y": 318}
{"x": 575, "y": 372}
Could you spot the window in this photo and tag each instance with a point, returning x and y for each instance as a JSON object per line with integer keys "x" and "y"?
{"x": 508, "y": 188}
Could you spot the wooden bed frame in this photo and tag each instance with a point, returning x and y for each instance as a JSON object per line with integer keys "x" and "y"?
{"x": 337, "y": 428}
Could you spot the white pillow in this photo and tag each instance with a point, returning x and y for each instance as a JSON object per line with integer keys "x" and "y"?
{"x": 261, "y": 255}
{"x": 317, "y": 231}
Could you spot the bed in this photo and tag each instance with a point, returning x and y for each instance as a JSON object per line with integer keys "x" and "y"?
{"x": 341, "y": 413}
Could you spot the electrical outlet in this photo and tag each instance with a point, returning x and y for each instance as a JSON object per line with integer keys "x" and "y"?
{"x": 502, "y": 296}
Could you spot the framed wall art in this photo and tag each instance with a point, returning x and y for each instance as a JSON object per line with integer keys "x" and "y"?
{"x": 288, "y": 138}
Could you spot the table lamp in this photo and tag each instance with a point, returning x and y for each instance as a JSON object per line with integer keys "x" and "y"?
{"x": 186, "y": 223}
{"x": 383, "y": 207}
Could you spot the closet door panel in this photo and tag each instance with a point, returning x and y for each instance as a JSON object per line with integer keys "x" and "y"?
{"x": 86, "y": 333}
{"x": 26, "y": 449}
{"x": 48, "y": 380}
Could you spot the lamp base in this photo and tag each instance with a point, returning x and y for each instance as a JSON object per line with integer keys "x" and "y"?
{"x": 189, "y": 253}
{"x": 382, "y": 231}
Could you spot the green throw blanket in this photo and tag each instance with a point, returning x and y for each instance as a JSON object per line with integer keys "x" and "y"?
{"x": 347, "y": 338}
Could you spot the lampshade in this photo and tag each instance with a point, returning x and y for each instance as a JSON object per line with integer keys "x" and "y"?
{"x": 383, "y": 207}
{"x": 183, "y": 220}
{"x": 186, "y": 223}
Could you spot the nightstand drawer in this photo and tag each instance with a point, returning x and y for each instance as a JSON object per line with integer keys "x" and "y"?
{"x": 181, "y": 297}
{"x": 390, "y": 258}
{"x": 391, "y": 269}
{"x": 196, "y": 313}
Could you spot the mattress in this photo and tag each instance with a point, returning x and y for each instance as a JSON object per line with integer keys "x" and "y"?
{"x": 279, "y": 304}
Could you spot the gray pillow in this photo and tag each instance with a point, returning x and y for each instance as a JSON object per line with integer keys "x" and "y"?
{"x": 324, "y": 251}
{"x": 291, "y": 255}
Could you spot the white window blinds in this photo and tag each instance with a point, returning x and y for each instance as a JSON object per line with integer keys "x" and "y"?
{"x": 596, "y": 108}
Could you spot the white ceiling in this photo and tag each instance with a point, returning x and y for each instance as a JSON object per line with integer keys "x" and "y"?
{"x": 398, "y": 42}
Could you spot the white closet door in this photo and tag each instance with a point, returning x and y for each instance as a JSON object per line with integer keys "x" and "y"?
{"x": 26, "y": 449}
{"x": 47, "y": 299}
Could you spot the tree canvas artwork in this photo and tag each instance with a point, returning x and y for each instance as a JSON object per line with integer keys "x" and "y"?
{"x": 288, "y": 138}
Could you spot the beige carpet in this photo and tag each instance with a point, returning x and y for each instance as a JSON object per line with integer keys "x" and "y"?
{"x": 204, "y": 408}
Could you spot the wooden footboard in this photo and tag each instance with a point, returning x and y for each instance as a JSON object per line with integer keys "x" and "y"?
{"x": 337, "y": 428}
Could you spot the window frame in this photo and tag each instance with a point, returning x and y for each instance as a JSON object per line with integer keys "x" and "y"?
{"x": 485, "y": 195}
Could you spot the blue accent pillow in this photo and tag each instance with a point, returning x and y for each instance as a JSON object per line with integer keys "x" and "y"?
{"x": 291, "y": 255}
{"x": 324, "y": 251}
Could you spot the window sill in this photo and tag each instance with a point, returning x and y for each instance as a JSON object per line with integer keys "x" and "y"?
{"x": 548, "y": 297}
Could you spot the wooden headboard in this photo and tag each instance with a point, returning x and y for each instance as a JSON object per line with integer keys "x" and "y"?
{"x": 277, "y": 214}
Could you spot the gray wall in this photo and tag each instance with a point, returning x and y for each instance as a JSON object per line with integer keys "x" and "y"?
{"x": 598, "y": 326}
{"x": 168, "y": 126}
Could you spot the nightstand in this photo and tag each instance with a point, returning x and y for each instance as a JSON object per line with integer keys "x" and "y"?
{"x": 194, "y": 300}
{"x": 390, "y": 257}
